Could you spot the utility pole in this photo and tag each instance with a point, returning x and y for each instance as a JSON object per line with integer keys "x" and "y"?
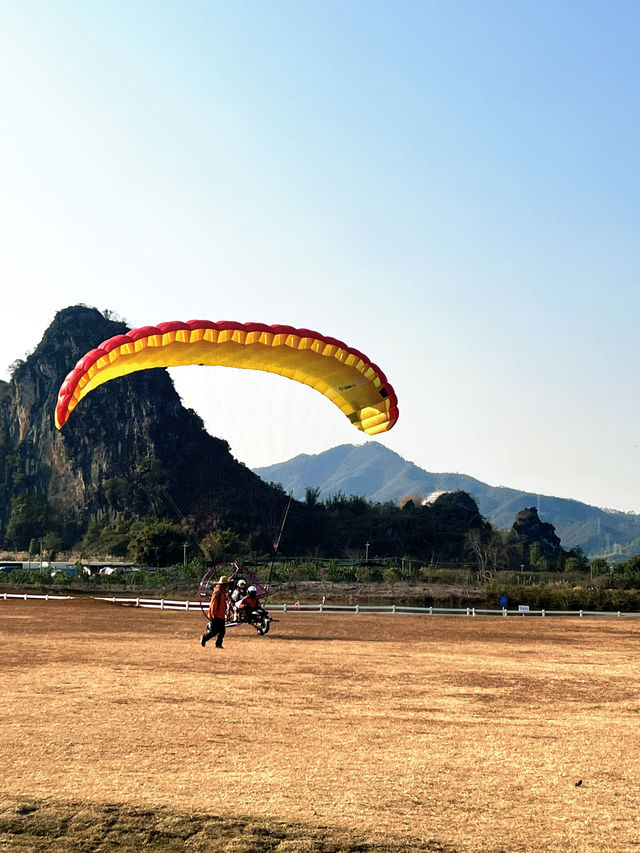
{"x": 185, "y": 545}
{"x": 366, "y": 553}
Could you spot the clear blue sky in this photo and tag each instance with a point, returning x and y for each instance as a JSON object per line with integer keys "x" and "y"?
{"x": 451, "y": 187}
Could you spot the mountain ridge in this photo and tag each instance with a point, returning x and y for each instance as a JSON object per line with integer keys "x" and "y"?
{"x": 379, "y": 474}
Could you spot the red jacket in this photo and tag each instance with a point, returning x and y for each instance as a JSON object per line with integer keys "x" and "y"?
{"x": 218, "y": 603}
{"x": 250, "y": 601}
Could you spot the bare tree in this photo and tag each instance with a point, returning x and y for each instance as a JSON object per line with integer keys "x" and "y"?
{"x": 488, "y": 549}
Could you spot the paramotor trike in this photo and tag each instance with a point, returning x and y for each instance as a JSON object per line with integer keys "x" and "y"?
{"x": 258, "y": 617}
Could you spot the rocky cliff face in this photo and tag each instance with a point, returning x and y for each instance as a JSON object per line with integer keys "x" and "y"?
{"x": 529, "y": 528}
{"x": 130, "y": 445}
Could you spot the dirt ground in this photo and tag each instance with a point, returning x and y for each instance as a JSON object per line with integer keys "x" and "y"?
{"x": 332, "y": 733}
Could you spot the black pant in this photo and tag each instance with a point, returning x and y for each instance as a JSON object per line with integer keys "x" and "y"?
{"x": 215, "y": 628}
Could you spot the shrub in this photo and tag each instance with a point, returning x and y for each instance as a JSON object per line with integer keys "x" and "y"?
{"x": 391, "y": 575}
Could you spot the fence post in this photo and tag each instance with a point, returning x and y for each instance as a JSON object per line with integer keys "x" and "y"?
{"x": 468, "y": 612}
{"x": 393, "y": 608}
{"x": 473, "y": 611}
{"x": 162, "y": 604}
{"x": 581, "y": 614}
{"x": 543, "y": 612}
{"x": 284, "y": 608}
{"x": 357, "y": 608}
{"x": 504, "y": 612}
{"x": 431, "y": 611}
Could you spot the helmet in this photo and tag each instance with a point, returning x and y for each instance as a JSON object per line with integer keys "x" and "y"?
{"x": 242, "y": 583}
{"x": 252, "y": 589}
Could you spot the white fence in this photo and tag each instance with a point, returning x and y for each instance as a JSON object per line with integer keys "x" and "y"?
{"x": 155, "y": 603}
{"x": 395, "y": 609}
{"x": 434, "y": 611}
{"x": 24, "y": 596}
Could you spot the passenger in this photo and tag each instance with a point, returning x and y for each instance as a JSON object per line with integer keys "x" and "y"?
{"x": 240, "y": 591}
{"x": 249, "y": 603}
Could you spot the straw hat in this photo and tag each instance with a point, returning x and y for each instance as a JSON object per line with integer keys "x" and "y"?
{"x": 223, "y": 579}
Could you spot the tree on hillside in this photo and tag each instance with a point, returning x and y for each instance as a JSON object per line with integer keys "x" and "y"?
{"x": 312, "y": 495}
{"x": 31, "y": 517}
{"x": 156, "y": 543}
{"x": 223, "y": 545}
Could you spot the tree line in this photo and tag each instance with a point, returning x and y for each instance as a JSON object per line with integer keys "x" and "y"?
{"x": 448, "y": 531}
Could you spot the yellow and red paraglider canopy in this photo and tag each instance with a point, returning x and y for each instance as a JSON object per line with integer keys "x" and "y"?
{"x": 343, "y": 374}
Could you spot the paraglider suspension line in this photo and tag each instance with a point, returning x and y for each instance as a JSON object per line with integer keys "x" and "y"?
{"x": 276, "y": 542}
{"x": 180, "y": 514}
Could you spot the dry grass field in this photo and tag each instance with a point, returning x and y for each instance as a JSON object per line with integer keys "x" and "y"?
{"x": 333, "y": 733}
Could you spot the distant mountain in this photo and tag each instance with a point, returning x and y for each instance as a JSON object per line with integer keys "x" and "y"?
{"x": 374, "y": 472}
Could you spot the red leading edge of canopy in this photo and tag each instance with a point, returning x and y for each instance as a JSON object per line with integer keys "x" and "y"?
{"x": 90, "y": 358}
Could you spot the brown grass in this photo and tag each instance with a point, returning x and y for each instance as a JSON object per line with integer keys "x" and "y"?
{"x": 333, "y": 733}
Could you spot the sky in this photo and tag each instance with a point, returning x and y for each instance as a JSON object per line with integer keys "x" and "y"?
{"x": 450, "y": 187}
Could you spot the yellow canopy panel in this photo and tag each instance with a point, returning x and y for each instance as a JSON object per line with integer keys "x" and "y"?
{"x": 343, "y": 374}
